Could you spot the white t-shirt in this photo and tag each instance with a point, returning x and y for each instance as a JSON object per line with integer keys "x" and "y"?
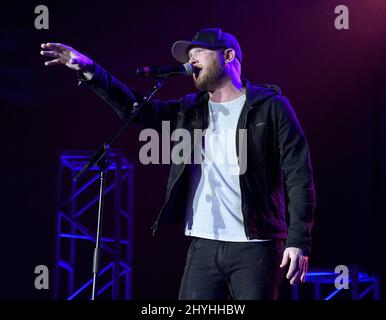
{"x": 216, "y": 204}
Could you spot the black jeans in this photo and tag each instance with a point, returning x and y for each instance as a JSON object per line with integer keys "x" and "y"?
{"x": 217, "y": 270}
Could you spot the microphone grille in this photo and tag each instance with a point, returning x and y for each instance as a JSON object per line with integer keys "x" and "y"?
{"x": 188, "y": 69}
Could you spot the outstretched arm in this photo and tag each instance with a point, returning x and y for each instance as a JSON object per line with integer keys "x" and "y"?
{"x": 115, "y": 93}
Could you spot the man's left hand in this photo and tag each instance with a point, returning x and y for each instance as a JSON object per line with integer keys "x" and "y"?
{"x": 298, "y": 264}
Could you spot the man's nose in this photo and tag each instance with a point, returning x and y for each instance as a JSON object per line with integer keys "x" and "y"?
{"x": 193, "y": 60}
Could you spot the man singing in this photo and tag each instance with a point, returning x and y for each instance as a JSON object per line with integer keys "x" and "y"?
{"x": 237, "y": 220}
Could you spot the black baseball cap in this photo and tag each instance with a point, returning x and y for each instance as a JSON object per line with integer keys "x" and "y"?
{"x": 213, "y": 38}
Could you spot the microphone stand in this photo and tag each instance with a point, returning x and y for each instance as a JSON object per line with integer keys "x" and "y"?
{"x": 99, "y": 159}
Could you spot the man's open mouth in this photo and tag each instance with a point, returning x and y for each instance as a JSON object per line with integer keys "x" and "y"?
{"x": 197, "y": 70}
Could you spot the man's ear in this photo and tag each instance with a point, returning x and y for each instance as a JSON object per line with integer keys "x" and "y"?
{"x": 229, "y": 55}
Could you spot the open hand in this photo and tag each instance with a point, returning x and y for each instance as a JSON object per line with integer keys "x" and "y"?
{"x": 298, "y": 265}
{"x": 62, "y": 54}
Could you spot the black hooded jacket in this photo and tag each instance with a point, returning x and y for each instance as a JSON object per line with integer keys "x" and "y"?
{"x": 274, "y": 150}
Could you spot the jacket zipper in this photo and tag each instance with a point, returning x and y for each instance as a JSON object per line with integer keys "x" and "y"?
{"x": 241, "y": 192}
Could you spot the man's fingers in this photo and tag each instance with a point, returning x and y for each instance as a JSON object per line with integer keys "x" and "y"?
{"x": 52, "y": 54}
{"x": 295, "y": 278}
{"x": 303, "y": 276}
{"x": 299, "y": 273}
{"x": 285, "y": 260}
{"x": 304, "y": 266}
{"x": 54, "y": 62}
{"x": 294, "y": 267}
{"x": 57, "y": 46}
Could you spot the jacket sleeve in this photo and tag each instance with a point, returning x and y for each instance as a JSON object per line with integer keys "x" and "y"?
{"x": 298, "y": 176}
{"x": 121, "y": 99}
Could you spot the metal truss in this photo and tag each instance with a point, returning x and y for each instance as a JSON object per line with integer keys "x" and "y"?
{"x": 77, "y": 203}
{"x": 321, "y": 285}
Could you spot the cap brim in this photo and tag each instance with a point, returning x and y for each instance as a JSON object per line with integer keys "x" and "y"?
{"x": 180, "y": 49}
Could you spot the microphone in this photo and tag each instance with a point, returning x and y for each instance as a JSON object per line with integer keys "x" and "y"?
{"x": 164, "y": 71}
